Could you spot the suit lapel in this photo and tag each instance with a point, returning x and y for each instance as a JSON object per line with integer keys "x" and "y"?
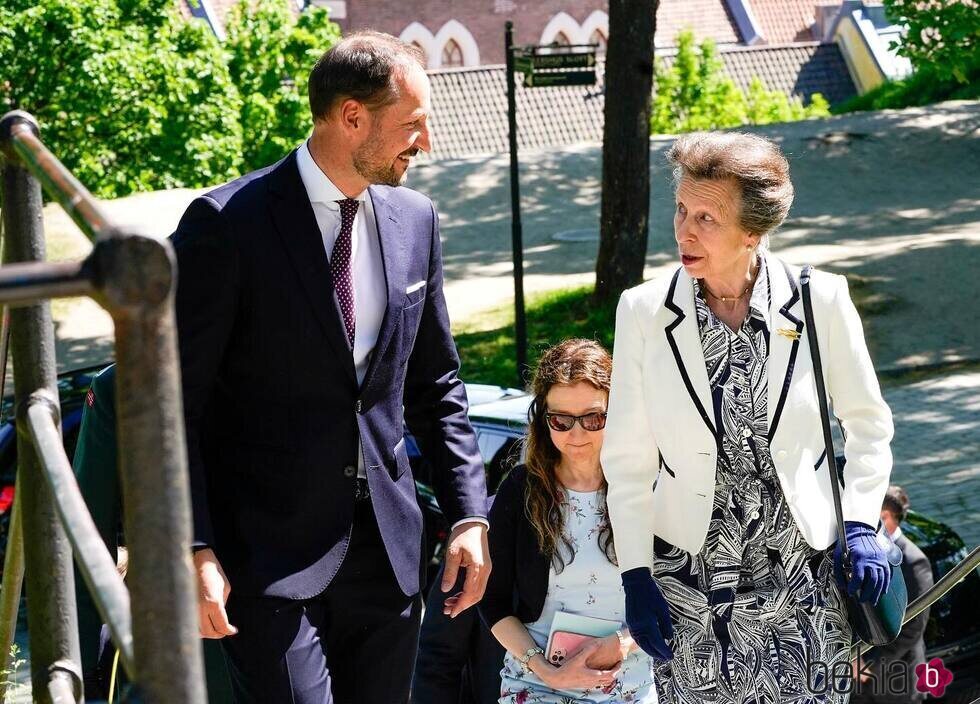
{"x": 783, "y": 348}
{"x": 684, "y": 340}
{"x": 394, "y": 256}
{"x": 297, "y": 227}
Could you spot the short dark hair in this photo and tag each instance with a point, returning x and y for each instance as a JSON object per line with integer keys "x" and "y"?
{"x": 896, "y": 501}
{"x": 363, "y": 66}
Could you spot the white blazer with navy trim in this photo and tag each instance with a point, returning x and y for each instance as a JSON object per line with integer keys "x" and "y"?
{"x": 661, "y": 447}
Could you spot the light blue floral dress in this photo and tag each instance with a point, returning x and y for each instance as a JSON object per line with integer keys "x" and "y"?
{"x": 589, "y": 585}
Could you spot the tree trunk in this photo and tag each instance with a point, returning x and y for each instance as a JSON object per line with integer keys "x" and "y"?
{"x": 626, "y": 147}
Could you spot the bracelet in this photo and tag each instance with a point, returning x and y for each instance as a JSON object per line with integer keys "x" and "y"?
{"x": 624, "y": 644}
{"x": 526, "y": 658}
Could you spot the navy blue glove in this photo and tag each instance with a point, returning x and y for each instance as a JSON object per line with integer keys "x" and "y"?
{"x": 870, "y": 571}
{"x": 646, "y": 613}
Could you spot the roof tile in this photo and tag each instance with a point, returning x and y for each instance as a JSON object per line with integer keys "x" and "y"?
{"x": 782, "y": 21}
{"x": 706, "y": 18}
{"x": 469, "y": 106}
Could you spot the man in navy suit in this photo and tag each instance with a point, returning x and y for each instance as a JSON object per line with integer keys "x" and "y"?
{"x": 312, "y": 322}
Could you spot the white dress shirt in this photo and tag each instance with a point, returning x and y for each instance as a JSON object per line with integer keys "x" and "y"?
{"x": 367, "y": 270}
{"x": 367, "y": 267}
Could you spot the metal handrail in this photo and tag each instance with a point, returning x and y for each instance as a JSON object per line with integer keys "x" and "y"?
{"x": 154, "y": 623}
{"x": 936, "y": 592}
{"x": 22, "y": 284}
{"x": 57, "y": 181}
{"x": 96, "y": 565}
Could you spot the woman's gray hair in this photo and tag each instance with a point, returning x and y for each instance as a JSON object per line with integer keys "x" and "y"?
{"x": 756, "y": 165}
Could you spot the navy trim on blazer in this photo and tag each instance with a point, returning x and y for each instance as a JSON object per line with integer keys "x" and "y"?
{"x": 666, "y": 466}
{"x": 669, "y": 330}
{"x": 792, "y": 353}
{"x": 820, "y": 460}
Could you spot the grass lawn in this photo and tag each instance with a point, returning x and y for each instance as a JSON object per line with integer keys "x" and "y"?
{"x": 486, "y": 342}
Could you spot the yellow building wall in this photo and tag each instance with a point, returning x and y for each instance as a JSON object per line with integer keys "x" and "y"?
{"x": 860, "y": 60}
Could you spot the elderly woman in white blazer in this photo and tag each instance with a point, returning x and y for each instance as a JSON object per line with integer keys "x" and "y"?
{"x": 719, "y": 492}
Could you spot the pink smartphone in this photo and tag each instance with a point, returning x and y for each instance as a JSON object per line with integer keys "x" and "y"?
{"x": 563, "y": 644}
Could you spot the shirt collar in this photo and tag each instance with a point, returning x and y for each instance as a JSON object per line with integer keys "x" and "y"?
{"x": 319, "y": 187}
{"x": 896, "y": 534}
{"x": 759, "y": 301}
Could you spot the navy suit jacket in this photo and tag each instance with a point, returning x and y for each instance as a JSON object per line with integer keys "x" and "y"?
{"x": 272, "y": 406}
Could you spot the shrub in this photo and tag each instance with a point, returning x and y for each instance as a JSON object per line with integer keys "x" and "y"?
{"x": 129, "y": 95}
{"x": 695, "y": 93}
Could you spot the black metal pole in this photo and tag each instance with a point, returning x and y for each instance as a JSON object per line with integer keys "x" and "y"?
{"x": 517, "y": 238}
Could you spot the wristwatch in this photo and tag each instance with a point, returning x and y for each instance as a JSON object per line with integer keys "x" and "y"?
{"x": 526, "y": 658}
{"x": 624, "y": 644}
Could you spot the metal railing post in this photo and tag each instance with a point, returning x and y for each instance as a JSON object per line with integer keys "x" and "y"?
{"x": 52, "y": 620}
{"x": 139, "y": 280}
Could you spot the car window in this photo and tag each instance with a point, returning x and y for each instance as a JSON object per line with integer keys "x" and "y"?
{"x": 490, "y": 443}
{"x": 500, "y": 452}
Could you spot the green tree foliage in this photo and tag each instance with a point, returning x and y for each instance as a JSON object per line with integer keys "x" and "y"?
{"x": 921, "y": 88}
{"x": 270, "y": 56}
{"x": 129, "y": 95}
{"x": 942, "y": 36}
{"x": 695, "y": 93}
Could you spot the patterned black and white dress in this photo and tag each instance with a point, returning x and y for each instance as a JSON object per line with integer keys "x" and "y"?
{"x": 758, "y": 618}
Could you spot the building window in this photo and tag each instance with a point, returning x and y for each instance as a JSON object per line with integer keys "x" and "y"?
{"x": 561, "y": 39}
{"x": 599, "y": 39}
{"x": 452, "y": 55}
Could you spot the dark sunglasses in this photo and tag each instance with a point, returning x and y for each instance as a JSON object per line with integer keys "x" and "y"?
{"x": 563, "y": 422}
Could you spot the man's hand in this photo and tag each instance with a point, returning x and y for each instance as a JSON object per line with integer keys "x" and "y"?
{"x": 467, "y": 549}
{"x": 213, "y": 590}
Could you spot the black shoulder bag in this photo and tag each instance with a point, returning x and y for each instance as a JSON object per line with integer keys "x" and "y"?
{"x": 875, "y": 624}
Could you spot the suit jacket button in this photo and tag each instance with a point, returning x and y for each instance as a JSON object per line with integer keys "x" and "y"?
{"x": 357, "y": 406}
{"x": 350, "y": 471}
{"x": 781, "y": 454}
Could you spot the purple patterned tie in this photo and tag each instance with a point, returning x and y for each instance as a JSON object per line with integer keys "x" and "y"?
{"x": 343, "y": 281}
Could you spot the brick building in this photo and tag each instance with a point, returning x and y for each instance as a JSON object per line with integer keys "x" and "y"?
{"x": 468, "y": 33}
{"x": 835, "y": 47}
{"x": 458, "y": 33}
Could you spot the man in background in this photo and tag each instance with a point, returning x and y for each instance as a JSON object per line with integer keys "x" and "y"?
{"x": 909, "y": 648}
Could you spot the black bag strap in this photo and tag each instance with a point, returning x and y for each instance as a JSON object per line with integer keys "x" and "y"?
{"x": 828, "y": 439}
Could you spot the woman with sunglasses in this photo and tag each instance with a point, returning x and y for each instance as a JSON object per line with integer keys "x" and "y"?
{"x": 552, "y": 548}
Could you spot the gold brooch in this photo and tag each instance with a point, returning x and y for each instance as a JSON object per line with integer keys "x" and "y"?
{"x": 789, "y": 333}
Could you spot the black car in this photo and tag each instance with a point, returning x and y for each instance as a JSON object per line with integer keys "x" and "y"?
{"x": 499, "y": 416}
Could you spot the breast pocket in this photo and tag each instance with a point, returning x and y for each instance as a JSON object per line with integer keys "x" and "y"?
{"x": 402, "y": 464}
{"x": 411, "y": 316}
{"x": 415, "y": 293}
